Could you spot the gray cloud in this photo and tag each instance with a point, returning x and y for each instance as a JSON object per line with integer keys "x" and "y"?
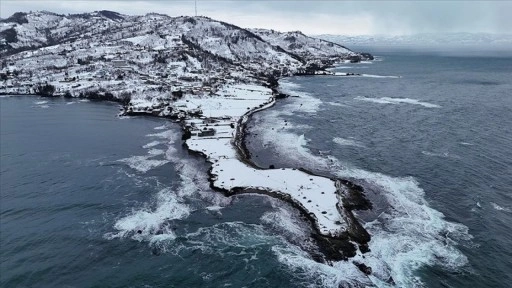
{"x": 313, "y": 17}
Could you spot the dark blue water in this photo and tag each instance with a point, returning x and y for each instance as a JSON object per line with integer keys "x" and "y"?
{"x": 440, "y": 137}
{"x": 90, "y": 199}
{"x": 78, "y": 184}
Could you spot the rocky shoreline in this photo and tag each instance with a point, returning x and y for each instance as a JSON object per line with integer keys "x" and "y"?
{"x": 334, "y": 248}
{"x": 350, "y": 196}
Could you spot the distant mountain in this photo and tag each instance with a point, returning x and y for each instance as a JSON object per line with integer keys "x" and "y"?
{"x": 427, "y": 40}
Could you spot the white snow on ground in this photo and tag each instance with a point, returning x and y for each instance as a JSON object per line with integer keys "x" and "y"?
{"x": 316, "y": 194}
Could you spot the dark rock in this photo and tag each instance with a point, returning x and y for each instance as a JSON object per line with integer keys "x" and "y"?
{"x": 364, "y": 248}
{"x": 354, "y": 59}
{"x": 363, "y": 268}
{"x": 186, "y": 134}
{"x": 354, "y": 197}
{"x": 335, "y": 249}
{"x": 367, "y": 56}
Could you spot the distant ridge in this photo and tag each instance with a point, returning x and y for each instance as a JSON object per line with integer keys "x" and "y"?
{"x": 430, "y": 40}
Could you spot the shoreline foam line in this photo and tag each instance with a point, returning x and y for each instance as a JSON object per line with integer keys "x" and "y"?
{"x": 221, "y": 140}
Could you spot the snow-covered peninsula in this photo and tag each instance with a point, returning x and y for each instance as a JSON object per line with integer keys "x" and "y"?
{"x": 209, "y": 75}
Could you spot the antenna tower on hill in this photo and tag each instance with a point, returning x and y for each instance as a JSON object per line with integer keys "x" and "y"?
{"x": 195, "y": 2}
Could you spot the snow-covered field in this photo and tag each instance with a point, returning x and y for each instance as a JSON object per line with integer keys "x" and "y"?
{"x": 316, "y": 195}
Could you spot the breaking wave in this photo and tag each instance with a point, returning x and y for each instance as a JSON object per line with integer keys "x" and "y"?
{"x": 441, "y": 155}
{"x": 500, "y": 208}
{"x": 347, "y": 142}
{"x": 336, "y": 104}
{"x": 389, "y": 100}
{"x": 143, "y": 163}
{"x": 380, "y": 76}
{"x": 406, "y": 234}
{"x": 152, "y": 144}
{"x": 153, "y": 222}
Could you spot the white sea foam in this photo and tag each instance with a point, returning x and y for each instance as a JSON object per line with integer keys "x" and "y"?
{"x": 214, "y": 208}
{"x": 275, "y": 135}
{"x": 500, "y": 208}
{"x": 441, "y": 155}
{"x": 286, "y": 222}
{"x": 163, "y": 127}
{"x": 380, "y": 76}
{"x": 407, "y": 234}
{"x": 336, "y": 104}
{"x": 40, "y": 102}
{"x": 151, "y": 144}
{"x": 306, "y": 102}
{"x": 152, "y": 222}
{"x": 347, "y": 142}
{"x": 156, "y": 152}
{"x": 167, "y": 134}
{"x": 143, "y": 163}
{"x": 389, "y": 100}
{"x": 323, "y": 275}
{"x": 149, "y": 222}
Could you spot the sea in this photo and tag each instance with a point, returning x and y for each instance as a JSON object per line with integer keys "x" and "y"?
{"x": 91, "y": 199}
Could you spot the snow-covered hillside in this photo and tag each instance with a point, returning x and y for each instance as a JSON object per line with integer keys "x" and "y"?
{"x": 207, "y": 73}
{"x": 304, "y": 46}
{"x": 104, "y": 52}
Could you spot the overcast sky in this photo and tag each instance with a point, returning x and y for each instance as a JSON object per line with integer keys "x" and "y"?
{"x": 311, "y": 17}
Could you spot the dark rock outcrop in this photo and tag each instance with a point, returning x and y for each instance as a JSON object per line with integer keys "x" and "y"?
{"x": 367, "y": 56}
